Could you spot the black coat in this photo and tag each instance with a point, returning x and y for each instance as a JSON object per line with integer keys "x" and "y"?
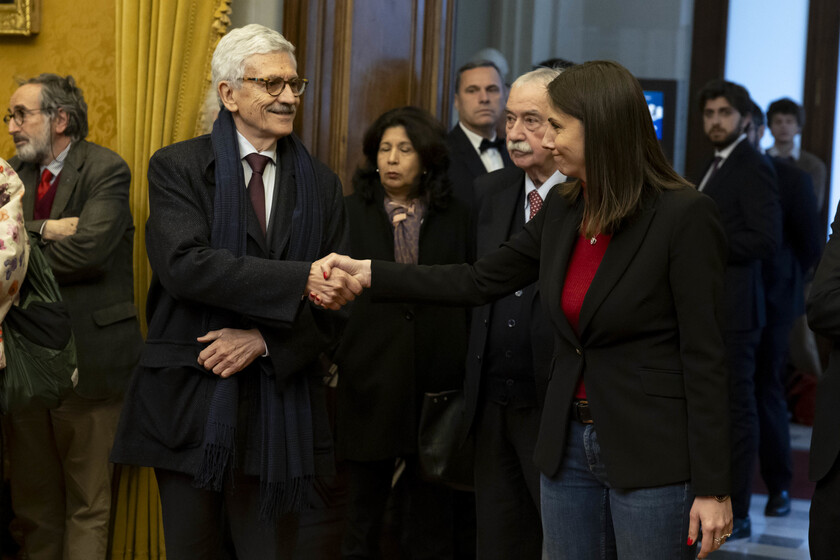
{"x": 747, "y": 197}
{"x": 166, "y": 406}
{"x": 465, "y": 165}
{"x": 650, "y": 347}
{"x": 391, "y": 353}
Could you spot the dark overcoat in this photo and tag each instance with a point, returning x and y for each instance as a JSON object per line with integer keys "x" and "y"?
{"x": 392, "y": 353}
{"x": 165, "y": 411}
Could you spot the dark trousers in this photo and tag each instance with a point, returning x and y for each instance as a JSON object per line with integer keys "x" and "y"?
{"x": 825, "y": 516}
{"x": 741, "y": 349}
{"x": 425, "y": 515}
{"x": 195, "y": 521}
{"x": 507, "y": 483}
{"x": 774, "y": 441}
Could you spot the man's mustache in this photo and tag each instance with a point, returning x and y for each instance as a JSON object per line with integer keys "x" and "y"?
{"x": 283, "y": 109}
{"x": 520, "y": 146}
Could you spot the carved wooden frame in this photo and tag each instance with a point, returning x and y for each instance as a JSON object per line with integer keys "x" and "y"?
{"x": 20, "y": 17}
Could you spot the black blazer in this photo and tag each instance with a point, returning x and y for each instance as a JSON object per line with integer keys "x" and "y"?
{"x": 650, "y": 347}
{"x": 823, "y": 307}
{"x": 800, "y": 248}
{"x": 165, "y": 410}
{"x": 392, "y": 353}
{"x": 498, "y": 195}
{"x": 465, "y": 165}
{"x": 747, "y": 197}
{"x": 93, "y": 267}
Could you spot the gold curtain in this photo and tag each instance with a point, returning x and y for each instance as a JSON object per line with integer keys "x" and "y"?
{"x": 163, "y": 72}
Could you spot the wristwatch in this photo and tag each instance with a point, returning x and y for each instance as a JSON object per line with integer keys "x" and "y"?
{"x": 722, "y": 498}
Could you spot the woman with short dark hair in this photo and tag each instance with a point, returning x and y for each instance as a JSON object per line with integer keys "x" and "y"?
{"x": 391, "y": 353}
{"x": 634, "y": 437}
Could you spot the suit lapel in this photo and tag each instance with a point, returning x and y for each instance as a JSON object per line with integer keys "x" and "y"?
{"x": 623, "y": 247}
{"x": 469, "y": 156}
{"x": 503, "y": 207}
{"x": 557, "y": 241}
{"x": 68, "y": 180}
{"x": 283, "y": 204}
{"x": 28, "y": 174}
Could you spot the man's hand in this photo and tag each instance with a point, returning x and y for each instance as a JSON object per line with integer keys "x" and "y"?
{"x": 56, "y": 230}
{"x": 331, "y": 288}
{"x": 230, "y": 350}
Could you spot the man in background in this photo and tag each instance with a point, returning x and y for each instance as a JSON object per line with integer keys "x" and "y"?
{"x": 786, "y": 118}
{"x": 742, "y": 184}
{"x": 76, "y": 200}
{"x": 474, "y": 146}
{"x": 784, "y": 297}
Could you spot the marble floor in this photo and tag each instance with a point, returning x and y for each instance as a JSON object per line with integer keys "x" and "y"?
{"x": 774, "y": 537}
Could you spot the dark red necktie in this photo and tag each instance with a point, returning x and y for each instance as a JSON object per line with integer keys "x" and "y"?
{"x": 535, "y": 202}
{"x": 45, "y": 183}
{"x": 256, "y": 188}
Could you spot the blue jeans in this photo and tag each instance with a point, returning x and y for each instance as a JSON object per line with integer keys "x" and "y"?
{"x": 585, "y": 519}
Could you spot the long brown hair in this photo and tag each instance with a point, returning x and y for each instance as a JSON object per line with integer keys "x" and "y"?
{"x": 624, "y": 161}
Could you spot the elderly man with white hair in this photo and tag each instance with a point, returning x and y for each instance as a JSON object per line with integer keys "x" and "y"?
{"x": 513, "y": 349}
{"x": 224, "y": 404}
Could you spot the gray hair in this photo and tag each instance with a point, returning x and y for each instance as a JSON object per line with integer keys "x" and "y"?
{"x": 60, "y": 92}
{"x": 233, "y": 50}
{"x": 541, "y": 76}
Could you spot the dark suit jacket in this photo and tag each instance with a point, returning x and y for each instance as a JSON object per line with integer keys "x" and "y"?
{"x": 823, "y": 307}
{"x": 93, "y": 267}
{"x": 650, "y": 347}
{"x": 392, "y": 353}
{"x": 498, "y": 194}
{"x": 166, "y": 406}
{"x": 465, "y": 165}
{"x": 747, "y": 197}
{"x": 800, "y": 248}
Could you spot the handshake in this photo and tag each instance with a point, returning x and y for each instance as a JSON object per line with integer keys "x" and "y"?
{"x": 337, "y": 279}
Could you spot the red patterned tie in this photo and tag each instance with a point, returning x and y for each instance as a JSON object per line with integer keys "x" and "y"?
{"x": 45, "y": 184}
{"x": 535, "y": 202}
{"x": 256, "y": 188}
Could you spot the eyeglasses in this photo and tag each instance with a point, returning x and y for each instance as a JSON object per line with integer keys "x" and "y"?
{"x": 19, "y": 115}
{"x": 275, "y": 86}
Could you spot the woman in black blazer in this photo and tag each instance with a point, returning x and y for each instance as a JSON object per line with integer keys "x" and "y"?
{"x": 633, "y": 443}
{"x": 391, "y": 354}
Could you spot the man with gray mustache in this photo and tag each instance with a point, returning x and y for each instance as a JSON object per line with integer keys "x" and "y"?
{"x": 513, "y": 349}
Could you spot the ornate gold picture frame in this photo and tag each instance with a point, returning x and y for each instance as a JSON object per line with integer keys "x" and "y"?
{"x": 20, "y": 17}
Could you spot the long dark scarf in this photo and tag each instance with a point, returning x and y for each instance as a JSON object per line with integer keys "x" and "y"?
{"x": 287, "y": 449}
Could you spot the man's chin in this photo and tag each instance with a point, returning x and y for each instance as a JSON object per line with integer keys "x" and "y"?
{"x": 26, "y": 153}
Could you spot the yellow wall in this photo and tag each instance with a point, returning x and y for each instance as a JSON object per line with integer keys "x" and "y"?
{"x": 76, "y": 38}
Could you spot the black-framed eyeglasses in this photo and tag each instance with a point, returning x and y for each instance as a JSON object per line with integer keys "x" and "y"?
{"x": 275, "y": 86}
{"x": 19, "y": 115}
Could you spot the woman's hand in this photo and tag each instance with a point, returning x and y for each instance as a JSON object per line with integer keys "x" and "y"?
{"x": 715, "y": 519}
{"x": 230, "y": 350}
{"x": 350, "y": 275}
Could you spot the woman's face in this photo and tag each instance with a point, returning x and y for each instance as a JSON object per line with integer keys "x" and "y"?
{"x": 399, "y": 164}
{"x": 564, "y": 137}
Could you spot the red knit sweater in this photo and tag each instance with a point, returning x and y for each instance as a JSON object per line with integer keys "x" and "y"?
{"x": 586, "y": 257}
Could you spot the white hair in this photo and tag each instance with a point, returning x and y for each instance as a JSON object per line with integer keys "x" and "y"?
{"x": 233, "y": 50}
{"x": 542, "y": 76}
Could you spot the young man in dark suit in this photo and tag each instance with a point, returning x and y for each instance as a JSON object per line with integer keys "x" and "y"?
{"x": 510, "y": 343}
{"x": 76, "y": 199}
{"x": 743, "y": 185}
{"x": 227, "y": 404}
{"x": 783, "y": 290}
{"x": 474, "y": 148}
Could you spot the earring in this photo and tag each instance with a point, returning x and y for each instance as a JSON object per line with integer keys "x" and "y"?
{"x": 377, "y": 170}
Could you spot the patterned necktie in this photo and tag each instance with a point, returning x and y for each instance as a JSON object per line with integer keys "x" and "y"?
{"x": 535, "y": 202}
{"x": 45, "y": 183}
{"x": 715, "y": 167}
{"x": 256, "y": 188}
